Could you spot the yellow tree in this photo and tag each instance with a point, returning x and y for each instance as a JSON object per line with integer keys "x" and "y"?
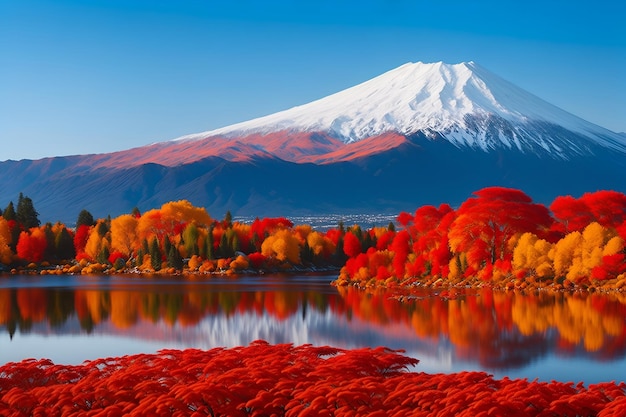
{"x": 96, "y": 241}
{"x": 178, "y": 212}
{"x": 531, "y": 255}
{"x": 577, "y": 254}
{"x": 565, "y": 253}
{"x": 6, "y": 255}
{"x": 320, "y": 244}
{"x": 124, "y": 237}
{"x": 283, "y": 246}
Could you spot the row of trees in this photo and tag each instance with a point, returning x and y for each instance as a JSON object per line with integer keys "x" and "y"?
{"x": 160, "y": 239}
{"x": 498, "y": 235}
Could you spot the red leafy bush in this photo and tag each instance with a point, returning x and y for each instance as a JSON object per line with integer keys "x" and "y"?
{"x": 283, "y": 380}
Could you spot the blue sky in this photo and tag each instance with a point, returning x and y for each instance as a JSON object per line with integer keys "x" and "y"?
{"x": 96, "y": 76}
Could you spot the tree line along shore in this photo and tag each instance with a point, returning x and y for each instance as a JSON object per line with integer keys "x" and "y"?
{"x": 498, "y": 237}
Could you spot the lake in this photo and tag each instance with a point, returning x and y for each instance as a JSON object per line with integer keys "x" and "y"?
{"x": 69, "y": 319}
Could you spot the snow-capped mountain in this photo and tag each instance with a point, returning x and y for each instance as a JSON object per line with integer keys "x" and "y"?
{"x": 463, "y": 103}
{"x": 418, "y": 134}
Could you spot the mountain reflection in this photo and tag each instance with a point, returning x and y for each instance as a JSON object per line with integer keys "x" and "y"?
{"x": 496, "y": 329}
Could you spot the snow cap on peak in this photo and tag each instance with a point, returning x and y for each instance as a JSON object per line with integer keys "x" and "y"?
{"x": 449, "y": 99}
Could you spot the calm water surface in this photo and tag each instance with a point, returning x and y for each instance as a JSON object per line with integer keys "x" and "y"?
{"x": 70, "y": 319}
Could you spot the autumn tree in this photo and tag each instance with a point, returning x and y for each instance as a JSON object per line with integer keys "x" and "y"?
{"x": 124, "y": 237}
{"x": 283, "y": 246}
{"x": 98, "y": 238}
{"x": 571, "y": 214}
{"x": 80, "y": 239}
{"x": 608, "y": 207}
{"x": 577, "y": 254}
{"x": 485, "y": 223}
{"x": 6, "y": 255}
{"x": 351, "y": 245}
{"x": 31, "y": 245}
{"x": 531, "y": 256}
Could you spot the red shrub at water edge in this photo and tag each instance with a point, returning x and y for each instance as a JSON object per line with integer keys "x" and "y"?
{"x": 284, "y": 380}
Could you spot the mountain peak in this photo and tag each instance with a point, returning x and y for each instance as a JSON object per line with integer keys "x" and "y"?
{"x": 463, "y": 103}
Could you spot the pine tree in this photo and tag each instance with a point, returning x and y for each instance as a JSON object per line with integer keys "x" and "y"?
{"x": 102, "y": 228}
{"x": 228, "y": 220}
{"x": 208, "y": 244}
{"x": 174, "y": 260}
{"x": 155, "y": 254}
{"x": 50, "y": 252}
{"x": 64, "y": 245}
{"x": 26, "y": 214}
{"x": 167, "y": 244}
{"x": 84, "y": 217}
{"x": 223, "y": 249}
{"x": 9, "y": 212}
{"x": 145, "y": 246}
{"x": 103, "y": 255}
{"x": 234, "y": 244}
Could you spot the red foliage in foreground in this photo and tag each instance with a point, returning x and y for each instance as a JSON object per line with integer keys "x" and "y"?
{"x": 264, "y": 379}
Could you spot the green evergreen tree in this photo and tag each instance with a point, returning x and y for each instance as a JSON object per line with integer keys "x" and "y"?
{"x": 339, "y": 257}
{"x": 50, "y": 252}
{"x": 64, "y": 245}
{"x": 234, "y": 243}
{"x": 103, "y": 255}
{"x": 9, "y": 212}
{"x": 26, "y": 214}
{"x": 391, "y": 227}
{"x": 155, "y": 254}
{"x": 102, "y": 228}
{"x": 228, "y": 220}
{"x": 174, "y": 260}
{"x": 223, "y": 249}
{"x": 306, "y": 253}
{"x": 167, "y": 244}
{"x": 84, "y": 218}
{"x": 208, "y": 244}
{"x": 139, "y": 259}
{"x": 146, "y": 246}
{"x": 135, "y": 212}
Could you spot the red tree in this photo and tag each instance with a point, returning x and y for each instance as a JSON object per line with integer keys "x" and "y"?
{"x": 351, "y": 245}
{"x": 485, "y": 223}
{"x": 31, "y": 246}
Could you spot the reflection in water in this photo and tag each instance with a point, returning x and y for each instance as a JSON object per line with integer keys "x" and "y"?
{"x": 499, "y": 331}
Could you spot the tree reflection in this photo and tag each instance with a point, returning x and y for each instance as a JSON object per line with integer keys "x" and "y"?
{"x": 497, "y": 329}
